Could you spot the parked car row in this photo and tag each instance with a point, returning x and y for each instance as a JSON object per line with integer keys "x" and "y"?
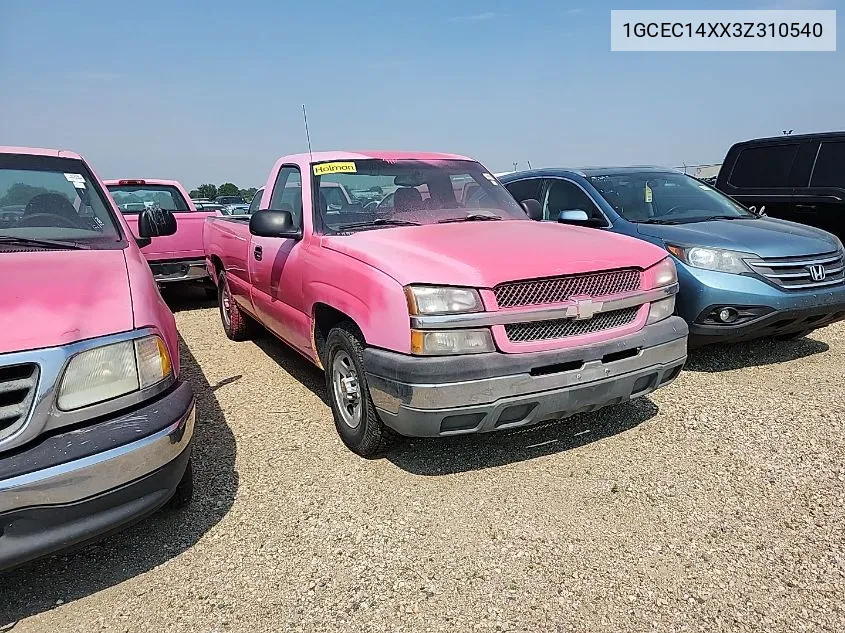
{"x": 438, "y": 299}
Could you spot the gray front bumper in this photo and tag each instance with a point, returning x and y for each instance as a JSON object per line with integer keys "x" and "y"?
{"x": 487, "y": 392}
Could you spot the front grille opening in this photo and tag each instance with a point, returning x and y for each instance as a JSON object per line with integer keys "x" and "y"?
{"x": 615, "y": 356}
{"x": 462, "y": 422}
{"x": 559, "y": 289}
{"x": 515, "y": 413}
{"x": 644, "y": 383}
{"x": 562, "y": 328}
{"x": 17, "y": 392}
{"x": 557, "y": 368}
{"x": 671, "y": 375}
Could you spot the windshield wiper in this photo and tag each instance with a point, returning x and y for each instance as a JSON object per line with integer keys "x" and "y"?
{"x": 30, "y": 241}
{"x": 376, "y": 222}
{"x": 472, "y": 217}
{"x": 658, "y": 221}
{"x": 727, "y": 217}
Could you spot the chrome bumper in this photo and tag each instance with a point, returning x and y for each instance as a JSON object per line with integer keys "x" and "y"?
{"x": 170, "y": 272}
{"x": 98, "y": 473}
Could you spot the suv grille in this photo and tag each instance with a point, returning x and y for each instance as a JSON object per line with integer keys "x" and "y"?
{"x": 561, "y": 328}
{"x": 798, "y": 273}
{"x": 17, "y": 391}
{"x": 559, "y": 289}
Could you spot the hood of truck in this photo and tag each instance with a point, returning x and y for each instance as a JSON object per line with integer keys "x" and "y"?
{"x": 483, "y": 254}
{"x": 51, "y": 298}
{"x": 765, "y": 237}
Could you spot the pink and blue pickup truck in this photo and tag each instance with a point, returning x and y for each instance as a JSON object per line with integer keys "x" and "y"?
{"x": 174, "y": 258}
{"x": 435, "y": 311}
{"x": 95, "y": 422}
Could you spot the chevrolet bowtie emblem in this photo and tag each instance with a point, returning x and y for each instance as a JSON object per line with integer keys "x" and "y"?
{"x": 583, "y": 309}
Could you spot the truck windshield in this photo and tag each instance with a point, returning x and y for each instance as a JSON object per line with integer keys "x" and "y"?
{"x": 665, "y": 197}
{"x": 381, "y": 193}
{"x": 48, "y": 198}
{"x": 133, "y": 199}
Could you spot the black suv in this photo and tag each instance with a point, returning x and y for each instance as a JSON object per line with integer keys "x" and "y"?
{"x": 799, "y": 178}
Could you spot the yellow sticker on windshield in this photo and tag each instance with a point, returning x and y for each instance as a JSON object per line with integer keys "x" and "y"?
{"x": 334, "y": 168}
{"x": 648, "y": 194}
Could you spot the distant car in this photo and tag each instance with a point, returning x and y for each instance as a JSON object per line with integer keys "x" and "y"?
{"x": 11, "y": 213}
{"x": 208, "y": 206}
{"x": 235, "y": 209}
{"x": 799, "y": 178}
{"x": 227, "y": 200}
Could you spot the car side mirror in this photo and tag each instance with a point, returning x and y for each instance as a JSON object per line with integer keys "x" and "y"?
{"x": 574, "y": 216}
{"x": 274, "y": 223}
{"x": 533, "y": 209}
{"x": 156, "y": 223}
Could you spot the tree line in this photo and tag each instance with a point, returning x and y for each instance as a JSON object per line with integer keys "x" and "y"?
{"x": 211, "y": 191}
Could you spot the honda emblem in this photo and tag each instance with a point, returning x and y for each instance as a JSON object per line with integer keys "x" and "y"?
{"x": 817, "y": 272}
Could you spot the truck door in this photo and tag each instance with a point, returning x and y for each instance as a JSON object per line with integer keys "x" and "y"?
{"x": 275, "y": 268}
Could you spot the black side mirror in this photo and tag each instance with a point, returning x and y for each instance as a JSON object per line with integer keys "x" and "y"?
{"x": 533, "y": 209}
{"x": 156, "y": 223}
{"x": 274, "y": 223}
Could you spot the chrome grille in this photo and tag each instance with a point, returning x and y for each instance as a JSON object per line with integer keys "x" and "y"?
{"x": 796, "y": 273}
{"x": 559, "y": 289}
{"x": 562, "y": 328}
{"x": 17, "y": 392}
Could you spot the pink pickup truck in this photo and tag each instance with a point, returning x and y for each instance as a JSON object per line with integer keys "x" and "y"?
{"x": 178, "y": 257}
{"x": 435, "y": 316}
{"x": 95, "y": 422}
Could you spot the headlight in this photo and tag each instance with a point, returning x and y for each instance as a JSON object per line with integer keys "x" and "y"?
{"x": 442, "y": 300}
{"x": 110, "y": 371}
{"x": 717, "y": 259}
{"x": 659, "y": 310}
{"x": 442, "y": 342}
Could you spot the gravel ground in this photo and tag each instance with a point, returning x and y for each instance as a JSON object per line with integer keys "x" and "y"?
{"x": 715, "y": 504}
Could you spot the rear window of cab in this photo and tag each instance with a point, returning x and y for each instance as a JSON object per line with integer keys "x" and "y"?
{"x": 133, "y": 198}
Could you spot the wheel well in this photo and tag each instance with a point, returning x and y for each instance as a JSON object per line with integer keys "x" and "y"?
{"x": 218, "y": 266}
{"x": 325, "y": 318}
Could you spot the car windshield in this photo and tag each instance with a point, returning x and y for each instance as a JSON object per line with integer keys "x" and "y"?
{"x": 374, "y": 193}
{"x": 229, "y": 200}
{"x": 48, "y": 198}
{"x": 132, "y": 199}
{"x": 665, "y": 197}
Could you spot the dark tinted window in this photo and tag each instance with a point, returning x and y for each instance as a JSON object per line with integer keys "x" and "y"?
{"x": 767, "y": 166}
{"x": 563, "y": 195}
{"x": 525, "y": 189}
{"x": 830, "y": 166}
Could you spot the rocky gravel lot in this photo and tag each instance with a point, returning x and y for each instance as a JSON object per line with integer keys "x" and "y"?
{"x": 715, "y": 504}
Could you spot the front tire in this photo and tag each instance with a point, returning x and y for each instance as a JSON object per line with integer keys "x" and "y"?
{"x": 355, "y": 417}
{"x": 236, "y": 323}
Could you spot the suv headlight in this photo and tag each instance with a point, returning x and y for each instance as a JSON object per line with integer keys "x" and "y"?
{"x": 717, "y": 259}
{"x": 431, "y": 300}
{"x": 110, "y": 371}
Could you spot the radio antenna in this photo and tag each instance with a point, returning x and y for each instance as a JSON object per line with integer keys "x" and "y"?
{"x": 307, "y": 135}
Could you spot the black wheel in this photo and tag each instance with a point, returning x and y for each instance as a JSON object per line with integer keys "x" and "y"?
{"x": 792, "y": 336}
{"x": 355, "y": 417}
{"x": 236, "y": 324}
{"x": 184, "y": 490}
